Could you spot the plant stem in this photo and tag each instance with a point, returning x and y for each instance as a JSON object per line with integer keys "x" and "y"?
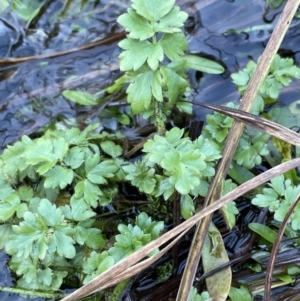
{"x": 159, "y": 120}
{"x": 231, "y": 144}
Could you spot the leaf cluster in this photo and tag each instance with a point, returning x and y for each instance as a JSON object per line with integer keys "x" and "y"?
{"x": 153, "y": 55}
{"x": 130, "y": 239}
{"x": 279, "y": 197}
{"x": 194, "y": 296}
{"x": 281, "y": 73}
{"x": 175, "y": 163}
{"x": 50, "y": 186}
{"x": 252, "y": 146}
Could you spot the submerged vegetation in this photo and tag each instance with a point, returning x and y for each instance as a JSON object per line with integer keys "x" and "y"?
{"x": 58, "y": 187}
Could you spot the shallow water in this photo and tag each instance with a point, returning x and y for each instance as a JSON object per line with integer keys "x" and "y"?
{"x": 231, "y": 32}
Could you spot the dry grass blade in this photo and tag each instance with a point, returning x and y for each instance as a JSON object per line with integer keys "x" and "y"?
{"x": 231, "y": 143}
{"x": 275, "y": 248}
{"x": 137, "y": 268}
{"x": 268, "y": 126}
{"x": 127, "y": 263}
{"x": 110, "y": 39}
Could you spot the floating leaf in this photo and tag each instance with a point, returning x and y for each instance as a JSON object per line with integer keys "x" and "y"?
{"x": 81, "y": 98}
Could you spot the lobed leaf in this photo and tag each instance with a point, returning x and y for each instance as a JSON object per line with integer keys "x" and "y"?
{"x": 153, "y": 10}
{"x": 99, "y": 173}
{"x": 74, "y": 157}
{"x": 175, "y": 83}
{"x": 139, "y": 92}
{"x": 173, "y": 45}
{"x": 136, "y": 25}
{"x": 58, "y": 176}
{"x": 171, "y": 22}
{"x": 89, "y": 192}
{"x": 110, "y": 148}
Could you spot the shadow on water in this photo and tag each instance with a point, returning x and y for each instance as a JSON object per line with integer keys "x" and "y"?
{"x": 231, "y": 32}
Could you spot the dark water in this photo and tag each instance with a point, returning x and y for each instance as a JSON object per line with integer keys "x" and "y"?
{"x": 231, "y": 32}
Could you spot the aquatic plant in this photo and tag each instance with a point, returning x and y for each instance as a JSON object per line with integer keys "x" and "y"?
{"x": 154, "y": 61}
{"x": 53, "y": 186}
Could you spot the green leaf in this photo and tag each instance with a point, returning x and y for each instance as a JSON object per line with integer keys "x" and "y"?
{"x": 229, "y": 211}
{"x": 171, "y": 22}
{"x": 175, "y": 83}
{"x": 218, "y": 125}
{"x": 99, "y": 173}
{"x": 133, "y": 238}
{"x": 173, "y": 45}
{"x": 62, "y": 243}
{"x": 81, "y": 98}
{"x": 153, "y": 10}
{"x": 138, "y": 52}
{"x": 3, "y": 5}
{"x": 96, "y": 264}
{"x": 110, "y": 148}
{"x": 202, "y": 64}
{"x": 136, "y": 25}
{"x": 25, "y": 193}
{"x": 156, "y": 86}
{"x": 90, "y": 236}
{"x": 58, "y": 176}
{"x": 240, "y": 78}
{"x": 12, "y": 156}
{"x": 44, "y": 150}
{"x": 5, "y": 232}
{"x": 89, "y": 192}
{"x": 252, "y": 146}
{"x": 26, "y": 9}
{"x": 194, "y": 296}
{"x": 9, "y": 206}
{"x": 155, "y": 56}
{"x": 49, "y": 213}
{"x": 78, "y": 210}
{"x": 141, "y": 176}
{"x": 118, "y": 84}
{"x": 74, "y": 157}
{"x": 187, "y": 208}
{"x": 264, "y": 231}
{"x": 29, "y": 234}
{"x": 139, "y": 92}
{"x": 240, "y": 294}
{"x": 6, "y": 189}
